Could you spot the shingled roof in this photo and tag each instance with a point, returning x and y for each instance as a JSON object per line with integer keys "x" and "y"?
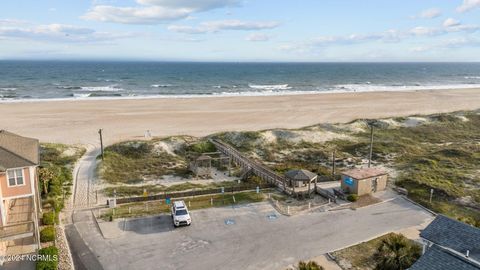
{"x": 439, "y": 258}
{"x": 364, "y": 173}
{"x": 300, "y": 175}
{"x": 453, "y": 234}
{"x": 17, "y": 151}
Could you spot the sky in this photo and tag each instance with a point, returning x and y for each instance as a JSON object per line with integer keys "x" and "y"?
{"x": 241, "y": 30}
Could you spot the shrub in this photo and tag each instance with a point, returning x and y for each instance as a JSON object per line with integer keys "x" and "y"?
{"x": 49, "y": 258}
{"x": 352, "y": 197}
{"x": 311, "y": 265}
{"x": 396, "y": 252}
{"x": 47, "y": 234}
{"x": 48, "y": 218}
{"x": 202, "y": 147}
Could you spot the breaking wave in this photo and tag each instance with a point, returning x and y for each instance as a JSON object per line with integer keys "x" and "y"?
{"x": 109, "y": 88}
{"x": 270, "y": 86}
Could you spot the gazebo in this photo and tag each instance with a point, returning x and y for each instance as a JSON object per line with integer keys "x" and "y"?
{"x": 202, "y": 166}
{"x": 301, "y": 178}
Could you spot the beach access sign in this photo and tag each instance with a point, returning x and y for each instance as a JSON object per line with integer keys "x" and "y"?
{"x": 349, "y": 181}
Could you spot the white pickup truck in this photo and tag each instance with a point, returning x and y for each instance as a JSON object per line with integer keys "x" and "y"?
{"x": 180, "y": 214}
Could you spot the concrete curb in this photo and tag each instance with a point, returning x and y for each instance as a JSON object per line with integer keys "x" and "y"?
{"x": 421, "y": 206}
{"x": 96, "y": 223}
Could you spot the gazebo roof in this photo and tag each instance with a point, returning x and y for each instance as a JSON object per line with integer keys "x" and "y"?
{"x": 300, "y": 175}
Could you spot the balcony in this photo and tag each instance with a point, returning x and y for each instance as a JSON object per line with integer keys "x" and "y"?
{"x": 20, "y": 220}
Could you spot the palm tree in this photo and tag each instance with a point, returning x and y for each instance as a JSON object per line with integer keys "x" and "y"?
{"x": 311, "y": 265}
{"x": 396, "y": 252}
{"x": 46, "y": 176}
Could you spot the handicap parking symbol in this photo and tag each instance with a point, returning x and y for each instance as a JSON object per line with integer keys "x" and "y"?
{"x": 272, "y": 216}
{"x": 229, "y": 222}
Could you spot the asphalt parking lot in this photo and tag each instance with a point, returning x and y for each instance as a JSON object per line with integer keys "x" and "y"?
{"x": 248, "y": 237}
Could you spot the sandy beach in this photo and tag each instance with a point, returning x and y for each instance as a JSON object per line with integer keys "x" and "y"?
{"x": 78, "y": 121}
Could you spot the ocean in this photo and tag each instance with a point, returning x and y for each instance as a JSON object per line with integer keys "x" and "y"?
{"x": 45, "y": 80}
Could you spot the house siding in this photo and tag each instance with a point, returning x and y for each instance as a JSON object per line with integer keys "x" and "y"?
{"x": 16, "y": 191}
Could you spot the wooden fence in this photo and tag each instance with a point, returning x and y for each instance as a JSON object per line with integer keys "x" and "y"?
{"x": 192, "y": 193}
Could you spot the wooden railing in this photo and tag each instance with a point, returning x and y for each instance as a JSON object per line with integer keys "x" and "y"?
{"x": 257, "y": 168}
{"x": 9, "y": 231}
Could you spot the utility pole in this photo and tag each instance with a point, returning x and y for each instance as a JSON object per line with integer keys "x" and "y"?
{"x": 371, "y": 146}
{"x": 333, "y": 164}
{"x": 431, "y": 195}
{"x": 101, "y": 141}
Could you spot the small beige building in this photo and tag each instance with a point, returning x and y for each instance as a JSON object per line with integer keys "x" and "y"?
{"x": 363, "y": 181}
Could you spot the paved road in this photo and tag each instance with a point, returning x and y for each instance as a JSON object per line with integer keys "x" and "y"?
{"x": 253, "y": 242}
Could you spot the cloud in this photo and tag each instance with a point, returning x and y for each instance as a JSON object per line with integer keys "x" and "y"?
{"x": 461, "y": 42}
{"x": 425, "y": 31}
{"x": 448, "y": 44}
{"x": 449, "y": 26}
{"x": 11, "y": 29}
{"x": 429, "y": 14}
{"x": 186, "y": 29}
{"x": 450, "y": 22}
{"x": 216, "y": 26}
{"x": 393, "y": 35}
{"x": 197, "y": 5}
{"x": 257, "y": 37}
{"x": 154, "y": 11}
{"x": 468, "y": 5}
{"x": 386, "y": 36}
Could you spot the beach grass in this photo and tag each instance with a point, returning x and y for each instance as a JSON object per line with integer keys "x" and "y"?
{"x": 134, "y": 161}
{"x": 129, "y": 191}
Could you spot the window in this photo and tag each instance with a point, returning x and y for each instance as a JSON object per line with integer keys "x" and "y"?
{"x": 15, "y": 177}
{"x": 181, "y": 212}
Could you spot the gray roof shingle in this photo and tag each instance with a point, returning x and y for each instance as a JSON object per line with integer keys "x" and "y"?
{"x": 17, "y": 151}
{"x": 10, "y": 160}
{"x": 300, "y": 175}
{"x": 440, "y": 259}
{"x": 453, "y": 234}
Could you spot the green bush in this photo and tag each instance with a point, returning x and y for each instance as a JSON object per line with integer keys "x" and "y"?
{"x": 48, "y": 259}
{"x": 311, "y": 265}
{"x": 396, "y": 252}
{"x": 202, "y": 147}
{"x": 48, "y": 218}
{"x": 47, "y": 234}
{"x": 352, "y": 197}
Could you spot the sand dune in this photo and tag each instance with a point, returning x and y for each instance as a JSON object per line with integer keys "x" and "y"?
{"x": 78, "y": 121}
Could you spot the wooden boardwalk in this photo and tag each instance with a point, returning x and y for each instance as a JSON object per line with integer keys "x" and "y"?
{"x": 256, "y": 168}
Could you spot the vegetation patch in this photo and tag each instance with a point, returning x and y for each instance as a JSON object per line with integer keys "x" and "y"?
{"x": 352, "y": 197}
{"x": 136, "y": 161}
{"x": 48, "y": 258}
{"x": 311, "y": 265}
{"x": 391, "y": 251}
{"x": 55, "y": 173}
{"x": 47, "y": 234}
{"x": 131, "y": 191}
{"x": 48, "y": 218}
